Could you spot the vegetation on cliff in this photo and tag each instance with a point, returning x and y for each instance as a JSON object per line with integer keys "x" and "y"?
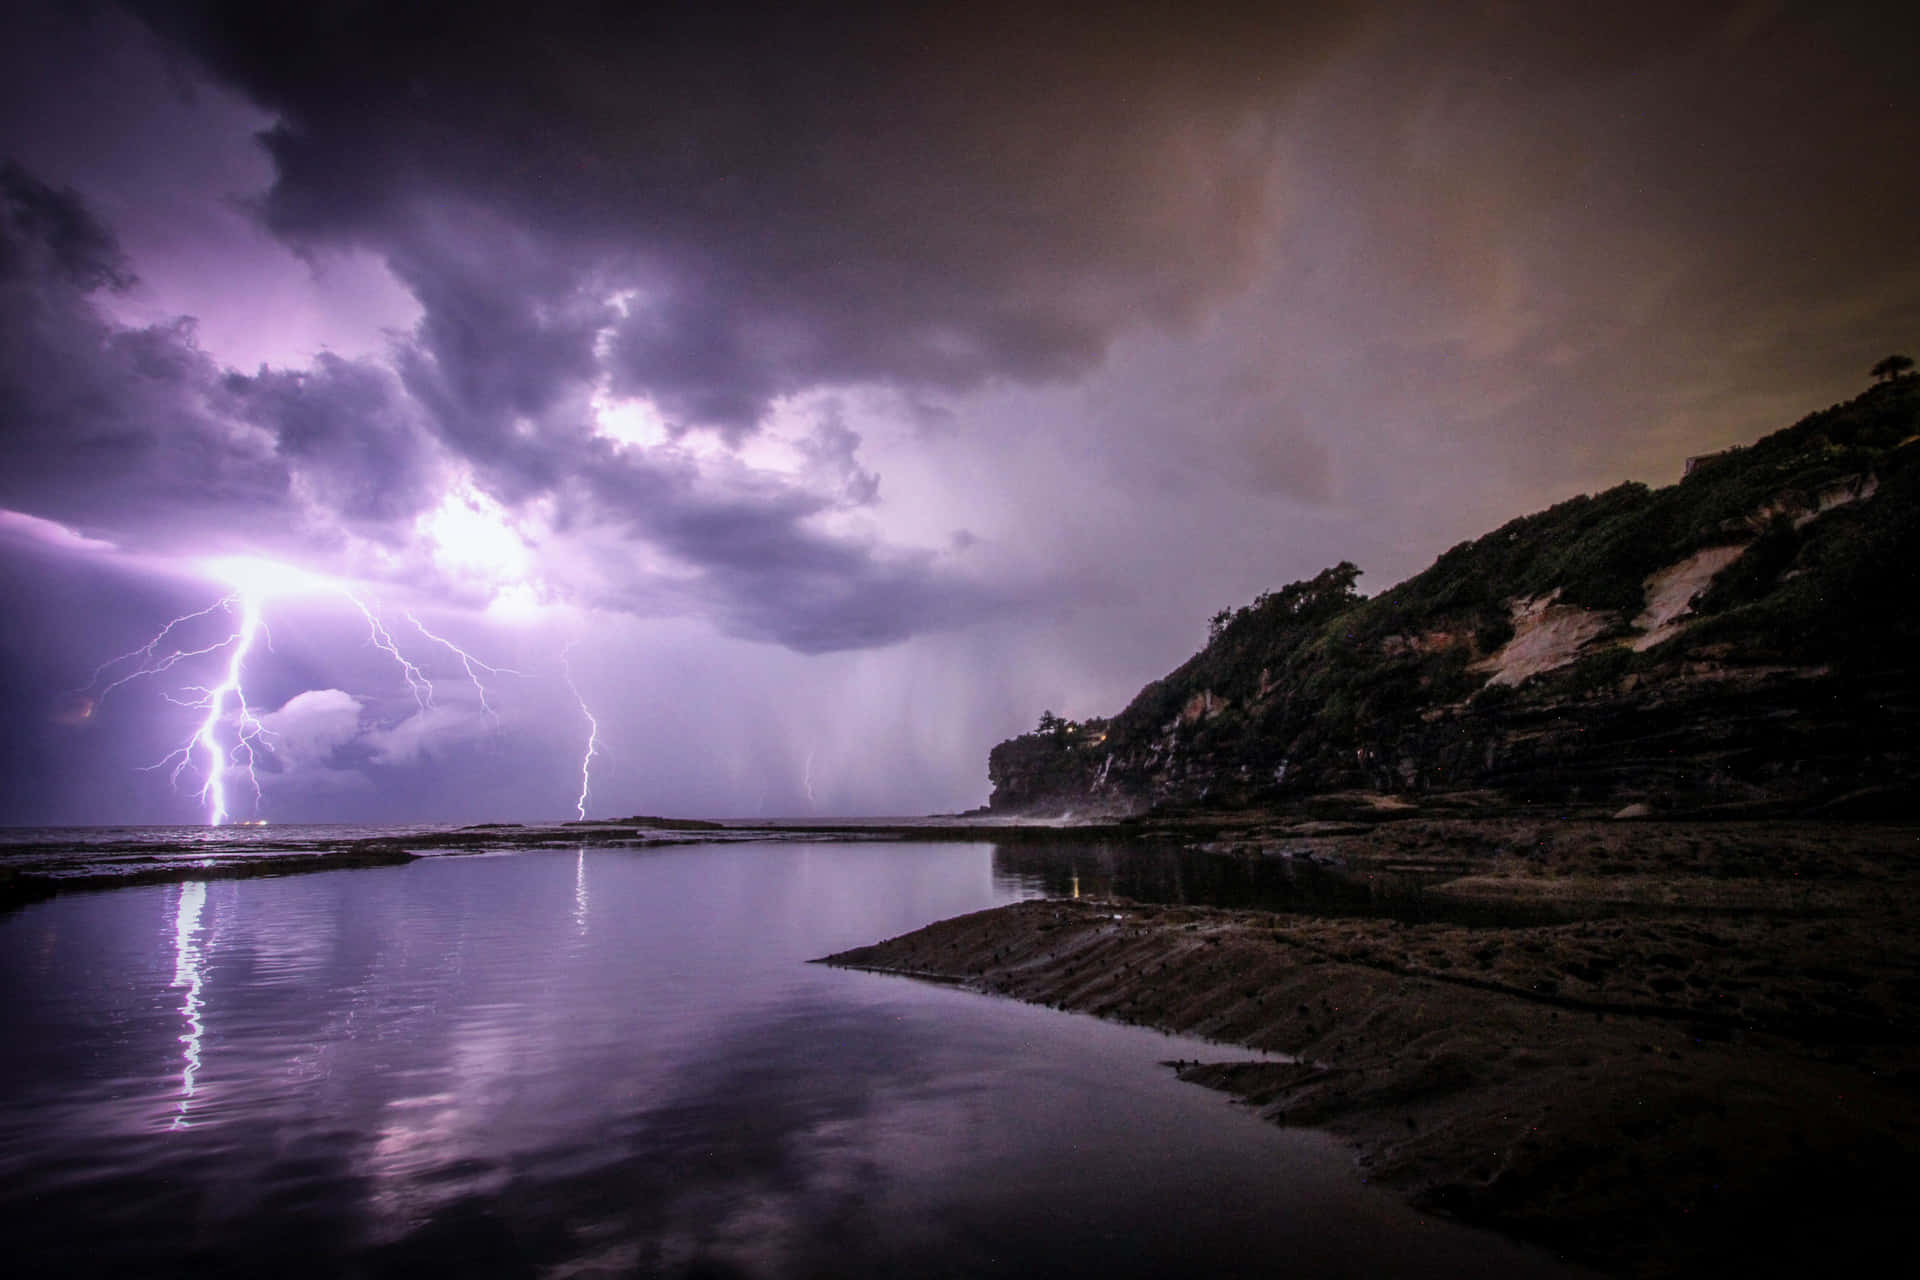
{"x": 1741, "y": 638}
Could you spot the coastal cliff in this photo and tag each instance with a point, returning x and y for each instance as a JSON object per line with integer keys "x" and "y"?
{"x": 1737, "y": 643}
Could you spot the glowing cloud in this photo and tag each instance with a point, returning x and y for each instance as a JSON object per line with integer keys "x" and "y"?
{"x": 471, "y": 536}
{"x": 262, "y": 580}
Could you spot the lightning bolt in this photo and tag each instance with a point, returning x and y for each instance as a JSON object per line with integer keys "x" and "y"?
{"x": 806, "y": 781}
{"x": 149, "y": 665}
{"x": 205, "y": 740}
{"x": 224, "y": 748}
{"x": 472, "y": 665}
{"x": 593, "y": 732}
{"x": 377, "y": 634}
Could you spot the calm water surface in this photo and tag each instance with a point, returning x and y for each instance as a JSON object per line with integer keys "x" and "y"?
{"x": 618, "y": 1063}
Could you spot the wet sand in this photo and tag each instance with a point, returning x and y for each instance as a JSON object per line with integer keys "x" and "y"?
{"x": 1707, "y": 1060}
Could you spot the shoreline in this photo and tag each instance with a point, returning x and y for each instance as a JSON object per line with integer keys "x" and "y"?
{"x": 1651, "y": 1047}
{"x": 20, "y": 888}
{"x": 1322, "y": 831}
{"x": 1698, "y": 1061}
{"x": 36, "y": 871}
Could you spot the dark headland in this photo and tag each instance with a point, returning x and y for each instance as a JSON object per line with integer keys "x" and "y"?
{"x": 1649, "y": 756}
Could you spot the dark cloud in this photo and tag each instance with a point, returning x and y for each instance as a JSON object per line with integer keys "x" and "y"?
{"x": 505, "y": 353}
{"x": 936, "y": 197}
{"x": 136, "y": 431}
{"x": 1603, "y": 238}
{"x": 801, "y": 194}
{"x": 106, "y": 426}
{"x": 51, "y": 232}
{"x": 353, "y": 434}
{"x": 762, "y": 568}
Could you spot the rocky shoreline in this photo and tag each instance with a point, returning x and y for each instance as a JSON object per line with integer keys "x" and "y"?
{"x": 26, "y": 879}
{"x": 36, "y": 870}
{"x": 1702, "y": 1055}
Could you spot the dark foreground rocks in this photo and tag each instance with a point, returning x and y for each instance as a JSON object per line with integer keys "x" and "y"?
{"x": 39, "y": 879}
{"x": 1710, "y": 1065}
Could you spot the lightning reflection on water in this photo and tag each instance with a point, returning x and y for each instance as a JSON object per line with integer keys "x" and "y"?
{"x": 580, "y": 892}
{"x": 188, "y": 972}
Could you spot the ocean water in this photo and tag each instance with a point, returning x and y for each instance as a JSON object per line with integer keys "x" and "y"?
{"x": 618, "y": 1062}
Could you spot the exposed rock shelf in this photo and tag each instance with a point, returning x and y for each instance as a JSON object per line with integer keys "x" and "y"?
{"x": 1724, "y": 1085}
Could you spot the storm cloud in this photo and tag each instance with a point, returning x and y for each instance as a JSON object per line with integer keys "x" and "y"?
{"x": 917, "y": 365}
{"x": 138, "y": 434}
{"x": 100, "y": 417}
{"x": 796, "y": 195}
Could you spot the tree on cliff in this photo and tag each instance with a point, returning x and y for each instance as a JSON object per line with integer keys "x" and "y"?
{"x": 1894, "y": 366}
{"x": 1330, "y": 590}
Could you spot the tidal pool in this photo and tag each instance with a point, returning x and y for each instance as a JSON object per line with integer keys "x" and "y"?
{"x": 616, "y": 1062}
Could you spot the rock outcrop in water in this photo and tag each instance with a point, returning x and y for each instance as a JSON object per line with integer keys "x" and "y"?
{"x": 1740, "y": 642}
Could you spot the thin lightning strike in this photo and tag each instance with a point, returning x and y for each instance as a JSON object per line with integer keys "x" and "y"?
{"x": 417, "y": 683}
{"x": 149, "y": 664}
{"x": 469, "y": 662}
{"x": 593, "y": 733}
{"x": 813, "y": 806}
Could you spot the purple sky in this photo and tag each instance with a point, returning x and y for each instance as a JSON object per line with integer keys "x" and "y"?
{"x": 845, "y": 387}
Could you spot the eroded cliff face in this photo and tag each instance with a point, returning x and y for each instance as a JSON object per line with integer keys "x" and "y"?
{"x": 1741, "y": 641}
